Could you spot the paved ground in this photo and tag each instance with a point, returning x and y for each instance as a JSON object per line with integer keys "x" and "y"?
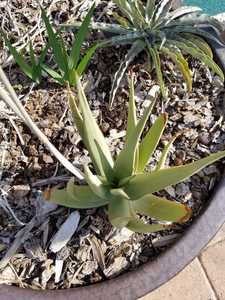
{"x": 203, "y": 279}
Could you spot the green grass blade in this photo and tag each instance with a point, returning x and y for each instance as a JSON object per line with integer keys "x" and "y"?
{"x": 85, "y": 60}
{"x": 18, "y": 57}
{"x": 55, "y": 42}
{"x": 55, "y": 75}
{"x": 136, "y": 48}
{"x": 141, "y": 227}
{"x": 150, "y": 141}
{"x": 150, "y": 7}
{"x": 143, "y": 184}
{"x": 162, "y": 209}
{"x": 80, "y": 37}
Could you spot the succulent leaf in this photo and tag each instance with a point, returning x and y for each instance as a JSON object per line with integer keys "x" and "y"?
{"x": 132, "y": 118}
{"x": 96, "y": 184}
{"x": 157, "y": 64}
{"x": 181, "y": 63}
{"x": 197, "y": 53}
{"x": 161, "y": 209}
{"x": 136, "y": 48}
{"x": 164, "y": 155}
{"x": 125, "y": 162}
{"x": 150, "y": 141}
{"x": 92, "y": 133}
{"x": 120, "y": 212}
{"x": 143, "y": 184}
{"x": 141, "y": 227}
{"x": 75, "y": 196}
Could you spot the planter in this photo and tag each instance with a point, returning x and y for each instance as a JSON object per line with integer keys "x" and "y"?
{"x": 153, "y": 274}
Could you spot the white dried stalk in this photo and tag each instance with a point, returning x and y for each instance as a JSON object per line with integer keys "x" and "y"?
{"x": 9, "y": 96}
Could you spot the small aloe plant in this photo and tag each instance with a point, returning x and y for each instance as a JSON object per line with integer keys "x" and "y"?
{"x": 32, "y": 70}
{"x": 70, "y": 63}
{"x": 67, "y": 64}
{"x": 158, "y": 30}
{"x": 122, "y": 184}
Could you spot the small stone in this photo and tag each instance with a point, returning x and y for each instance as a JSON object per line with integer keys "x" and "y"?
{"x": 204, "y": 138}
{"x": 182, "y": 189}
{"x": 47, "y": 159}
{"x": 20, "y": 191}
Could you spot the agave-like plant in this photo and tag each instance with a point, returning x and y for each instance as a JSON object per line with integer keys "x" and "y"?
{"x": 158, "y": 30}
{"x": 122, "y": 184}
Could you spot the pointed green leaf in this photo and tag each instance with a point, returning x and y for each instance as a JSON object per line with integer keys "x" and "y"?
{"x": 156, "y": 61}
{"x": 132, "y": 118}
{"x": 150, "y": 7}
{"x": 80, "y": 37}
{"x": 125, "y": 163}
{"x": 55, "y": 75}
{"x": 164, "y": 155}
{"x": 143, "y": 184}
{"x": 18, "y": 57}
{"x": 75, "y": 196}
{"x": 93, "y": 133}
{"x": 136, "y": 48}
{"x": 200, "y": 43}
{"x": 85, "y": 60}
{"x": 162, "y": 209}
{"x": 193, "y": 51}
{"x": 56, "y": 44}
{"x": 181, "y": 63}
{"x": 150, "y": 141}
{"x": 141, "y": 227}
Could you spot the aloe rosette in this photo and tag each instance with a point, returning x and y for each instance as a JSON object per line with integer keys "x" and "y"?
{"x": 158, "y": 30}
{"x": 122, "y": 184}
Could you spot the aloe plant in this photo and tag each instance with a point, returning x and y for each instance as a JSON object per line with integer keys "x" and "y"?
{"x": 122, "y": 184}
{"x": 67, "y": 63}
{"x": 157, "y": 30}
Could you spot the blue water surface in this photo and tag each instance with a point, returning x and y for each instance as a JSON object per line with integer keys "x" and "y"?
{"x": 211, "y": 7}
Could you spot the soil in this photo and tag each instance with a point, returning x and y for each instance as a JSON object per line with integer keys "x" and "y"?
{"x": 96, "y": 251}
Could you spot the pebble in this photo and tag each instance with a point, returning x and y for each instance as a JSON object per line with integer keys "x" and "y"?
{"x": 204, "y": 138}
